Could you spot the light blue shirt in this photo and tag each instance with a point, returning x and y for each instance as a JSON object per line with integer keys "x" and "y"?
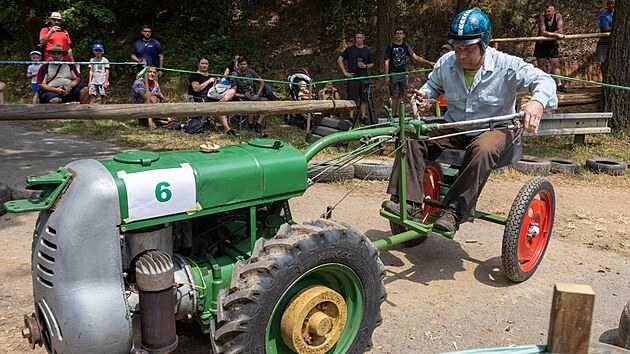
{"x": 494, "y": 87}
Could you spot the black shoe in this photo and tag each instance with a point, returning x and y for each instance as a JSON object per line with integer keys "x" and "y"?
{"x": 561, "y": 88}
{"x": 448, "y": 221}
{"x": 365, "y": 121}
{"x": 231, "y": 132}
{"x": 413, "y": 212}
{"x": 258, "y": 128}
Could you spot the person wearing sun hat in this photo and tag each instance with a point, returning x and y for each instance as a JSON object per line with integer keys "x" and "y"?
{"x": 60, "y": 83}
{"x": 55, "y": 34}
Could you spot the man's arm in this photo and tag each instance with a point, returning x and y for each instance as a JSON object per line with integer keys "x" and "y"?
{"x": 560, "y": 29}
{"x": 45, "y": 34}
{"x": 160, "y": 72}
{"x": 70, "y": 54}
{"x": 135, "y": 58}
{"x": 91, "y": 75}
{"x": 261, "y": 86}
{"x": 387, "y": 70}
{"x": 343, "y": 68}
{"x": 420, "y": 59}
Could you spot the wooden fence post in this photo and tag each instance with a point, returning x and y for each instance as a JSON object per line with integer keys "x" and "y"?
{"x": 571, "y": 317}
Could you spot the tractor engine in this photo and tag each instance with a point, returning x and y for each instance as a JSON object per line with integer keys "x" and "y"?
{"x": 128, "y": 251}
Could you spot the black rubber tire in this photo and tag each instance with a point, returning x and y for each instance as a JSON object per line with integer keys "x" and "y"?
{"x": 5, "y": 196}
{"x": 532, "y": 165}
{"x": 336, "y": 123}
{"x": 373, "y": 169}
{"x": 311, "y": 138}
{"x": 324, "y": 131}
{"x": 614, "y": 167}
{"x": 19, "y": 191}
{"x": 623, "y": 332}
{"x": 333, "y": 174}
{"x": 559, "y": 165}
{"x": 244, "y": 309}
{"x": 516, "y": 218}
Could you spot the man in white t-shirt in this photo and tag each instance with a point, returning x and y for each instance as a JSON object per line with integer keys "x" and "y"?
{"x": 99, "y": 74}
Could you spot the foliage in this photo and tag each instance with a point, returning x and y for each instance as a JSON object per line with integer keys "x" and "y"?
{"x": 344, "y": 18}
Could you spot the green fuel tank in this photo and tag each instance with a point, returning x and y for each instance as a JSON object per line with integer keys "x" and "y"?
{"x": 161, "y": 187}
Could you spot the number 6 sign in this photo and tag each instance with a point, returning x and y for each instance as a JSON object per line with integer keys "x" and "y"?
{"x": 159, "y": 192}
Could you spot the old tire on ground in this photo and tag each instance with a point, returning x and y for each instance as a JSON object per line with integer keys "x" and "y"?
{"x": 311, "y": 138}
{"x": 528, "y": 229}
{"x": 5, "y": 196}
{"x": 607, "y": 165}
{"x": 559, "y": 165}
{"x": 623, "y": 332}
{"x": 324, "y": 131}
{"x": 373, "y": 169}
{"x": 330, "y": 173}
{"x": 532, "y": 165}
{"x": 252, "y": 313}
{"x": 336, "y": 123}
{"x": 431, "y": 187}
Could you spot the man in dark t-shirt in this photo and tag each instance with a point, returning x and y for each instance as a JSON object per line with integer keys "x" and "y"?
{"x": 550, "y": 24}
{"x": 359, "y": 58}
{"x": 248, "y": 90}
{"x": 396, "y": 56}
{"x": 148, "y": 51}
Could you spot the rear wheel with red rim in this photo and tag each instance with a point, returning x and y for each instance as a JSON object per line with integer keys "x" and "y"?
{"x": 528, "y": 229}
{"x": 431, "y": 187}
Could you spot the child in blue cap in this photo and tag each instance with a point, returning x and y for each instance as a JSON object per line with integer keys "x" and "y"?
{"x": 99, "y": 74}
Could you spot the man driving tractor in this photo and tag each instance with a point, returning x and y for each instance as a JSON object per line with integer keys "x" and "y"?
{"x": 478, "y": 82}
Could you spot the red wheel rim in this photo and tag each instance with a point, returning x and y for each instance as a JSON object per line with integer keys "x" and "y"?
{"x": 431, "y": 187}
{"x": 539, "y": 215}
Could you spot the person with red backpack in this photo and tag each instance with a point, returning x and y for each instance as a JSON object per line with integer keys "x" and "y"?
{"x": 55, "y": 34}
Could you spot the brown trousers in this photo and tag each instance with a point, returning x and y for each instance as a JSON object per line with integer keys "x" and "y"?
{"x": 482, "y": 155}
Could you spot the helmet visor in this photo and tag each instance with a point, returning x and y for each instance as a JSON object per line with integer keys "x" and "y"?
{"x": 455, "y": 39}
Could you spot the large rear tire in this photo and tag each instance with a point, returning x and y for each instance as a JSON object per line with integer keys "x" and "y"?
{"x": 314, "y": 288}
{"x": 528, "y": 229}
{"x": 431, "y": 187}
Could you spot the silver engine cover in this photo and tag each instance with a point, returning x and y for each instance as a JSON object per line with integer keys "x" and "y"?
{"x": 77, "y": 267}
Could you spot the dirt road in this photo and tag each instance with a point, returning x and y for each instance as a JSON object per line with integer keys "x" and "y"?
{"x": 443, "y": 295}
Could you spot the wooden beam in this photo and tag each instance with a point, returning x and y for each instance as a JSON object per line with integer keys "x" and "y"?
{"x": 133, "y": 111}
{"x": 541, "y": 38}
{"x": 571, "y": 318}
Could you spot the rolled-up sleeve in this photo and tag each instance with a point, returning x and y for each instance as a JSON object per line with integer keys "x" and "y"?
{"x": 538, "y": 83}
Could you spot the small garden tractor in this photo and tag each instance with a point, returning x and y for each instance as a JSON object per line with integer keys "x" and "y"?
{"x": 130, "y": 252}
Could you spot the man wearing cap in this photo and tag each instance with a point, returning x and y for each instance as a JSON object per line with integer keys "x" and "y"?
{"x": 60, "y": 83}
{"x": 147, "y": 50}
{"x": 54, "y": 34}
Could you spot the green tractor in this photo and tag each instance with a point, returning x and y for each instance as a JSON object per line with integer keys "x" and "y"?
{"x": 130, "y": 252}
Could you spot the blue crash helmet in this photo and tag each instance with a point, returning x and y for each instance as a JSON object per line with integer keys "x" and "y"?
{"x": 469, "y": 27}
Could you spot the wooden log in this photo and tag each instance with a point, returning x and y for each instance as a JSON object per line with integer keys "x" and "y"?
{"x": 571, "y": 318}
{"x": 542, "y": 38}
{"x": 133, "y": 111}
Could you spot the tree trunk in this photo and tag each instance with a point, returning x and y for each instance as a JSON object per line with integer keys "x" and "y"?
{"x": 385, "y": 31}
{"x": 462, "y": 5}
{"x": 617, "y": 71}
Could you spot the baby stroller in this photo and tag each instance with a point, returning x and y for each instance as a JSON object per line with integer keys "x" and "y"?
{"x": 295, "y": 76}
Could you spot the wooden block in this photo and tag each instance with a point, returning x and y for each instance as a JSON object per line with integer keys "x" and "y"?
{"x": 571, "y": 317}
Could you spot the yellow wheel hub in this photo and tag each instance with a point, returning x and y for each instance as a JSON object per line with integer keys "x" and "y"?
{"x": 313, "y": 320}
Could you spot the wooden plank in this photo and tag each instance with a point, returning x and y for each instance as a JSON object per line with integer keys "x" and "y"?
{"x": 569, "y": 131}
{"x": 571, "y": 318}
{"x": 133, "y": 111}
{"x": 541, "y": 38}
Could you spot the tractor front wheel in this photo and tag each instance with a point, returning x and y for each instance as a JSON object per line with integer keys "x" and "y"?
{"x": 314, "y": 288}
{"x": 528, "y": 229}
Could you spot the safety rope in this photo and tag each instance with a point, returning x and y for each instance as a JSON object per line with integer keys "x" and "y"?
{"x": 29, "y": 62}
